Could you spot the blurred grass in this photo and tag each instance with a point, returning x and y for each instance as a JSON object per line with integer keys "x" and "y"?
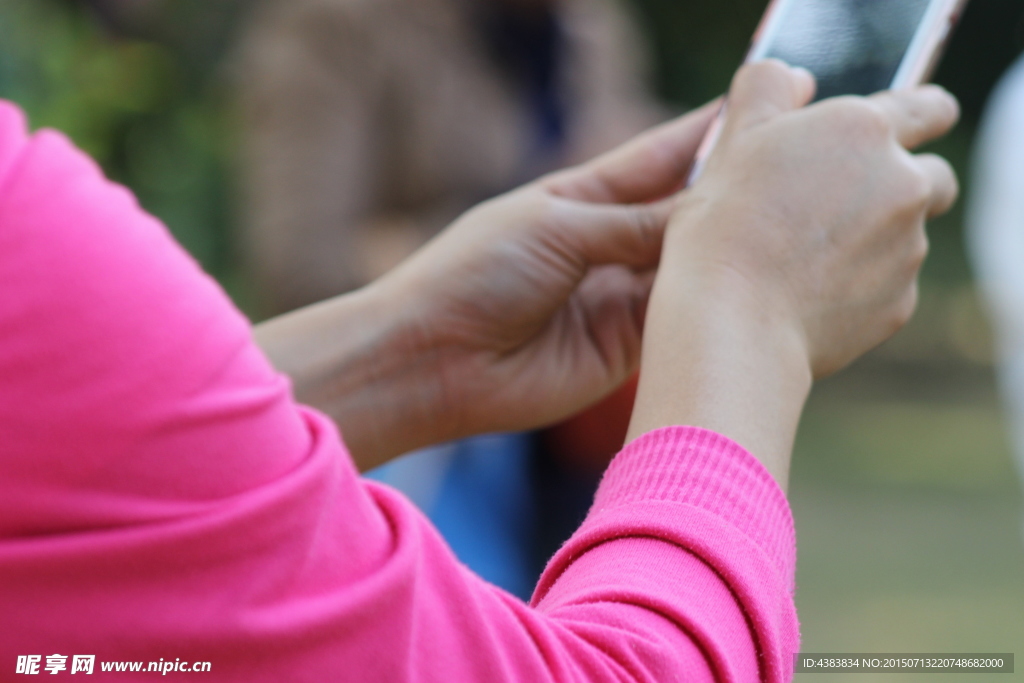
{"x": 907, "y": 501}
{"x": 909, "y": 521}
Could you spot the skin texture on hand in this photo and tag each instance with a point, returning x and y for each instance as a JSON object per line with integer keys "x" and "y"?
{"x": 797, "y": 251}
{"x": 526, "y": 310}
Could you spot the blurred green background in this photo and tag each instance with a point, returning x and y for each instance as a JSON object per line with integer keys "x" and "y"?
{"x": 907, "y": 503}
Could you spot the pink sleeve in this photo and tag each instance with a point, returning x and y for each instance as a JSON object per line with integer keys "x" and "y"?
{"x": 163, "y": 499}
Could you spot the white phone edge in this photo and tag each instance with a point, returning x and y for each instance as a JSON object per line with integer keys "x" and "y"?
{"x": 922, "y": 56}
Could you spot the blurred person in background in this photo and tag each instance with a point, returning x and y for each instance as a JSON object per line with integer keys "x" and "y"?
{"x": 996, "y": 239}
{"x": 369, "y": 125}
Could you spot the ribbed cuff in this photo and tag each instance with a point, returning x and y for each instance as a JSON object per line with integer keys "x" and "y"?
{"x": 698, "y": 467}
{"x": 706, "y": 494}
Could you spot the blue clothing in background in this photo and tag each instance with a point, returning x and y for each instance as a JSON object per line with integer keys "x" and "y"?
{"x": 479, "y": 493}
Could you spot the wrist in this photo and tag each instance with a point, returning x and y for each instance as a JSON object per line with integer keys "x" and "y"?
{"x": 716, "y": 355}
{"x": 359, "y": 359}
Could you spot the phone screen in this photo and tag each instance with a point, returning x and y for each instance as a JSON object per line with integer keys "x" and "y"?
{"x": 853, "y": 47}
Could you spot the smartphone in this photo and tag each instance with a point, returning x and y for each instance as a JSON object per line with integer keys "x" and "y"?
{"x": 853, "y": 47}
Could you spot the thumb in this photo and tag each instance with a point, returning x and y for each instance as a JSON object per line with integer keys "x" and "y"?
{"x": 765, "y": 89}
{"x": 648, "y": 167}
{"x": 605, "y": 234}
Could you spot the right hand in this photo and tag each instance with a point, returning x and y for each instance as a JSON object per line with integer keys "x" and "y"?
{"x": 796, "y": 251}
{"x": 820, "y": 212}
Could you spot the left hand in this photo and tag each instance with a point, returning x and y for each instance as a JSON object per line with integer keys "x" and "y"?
{"x": 531, "y": 306}
{"x": 526, "y": 310}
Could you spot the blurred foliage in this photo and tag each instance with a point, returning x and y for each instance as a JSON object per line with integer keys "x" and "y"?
{"x": 143, "y": 104}
{"x": 67, "y": 76}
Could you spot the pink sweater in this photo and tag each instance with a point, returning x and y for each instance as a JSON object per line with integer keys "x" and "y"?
{"x": 163, "y": 496}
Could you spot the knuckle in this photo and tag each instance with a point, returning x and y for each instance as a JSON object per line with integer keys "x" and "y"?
{"x": 902, "y": 311}
{"x": 912, "y": 190}
{"x": 763, "y": 68}
{"x": 919, "y": 191}
{"x": 874, "y": 122}
{"x": 916, "y": 254}
{"x": 537, "y": 205}
{"x": 947, "y": 178}
{"x": 643, "y": 231}
{"x": 954, "y": 181}
{"x": 908, "y": 304}
{"x": 864, "y": 118}
{"x": 920, "y": 251}
{"x": 646, "y": 224}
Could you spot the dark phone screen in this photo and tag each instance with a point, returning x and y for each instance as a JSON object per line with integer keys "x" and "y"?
{"x": 853, "y": 47}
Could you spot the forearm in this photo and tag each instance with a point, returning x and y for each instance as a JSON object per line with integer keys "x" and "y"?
{"x": 716, "y": 357}
{"x": 352, "y": 358}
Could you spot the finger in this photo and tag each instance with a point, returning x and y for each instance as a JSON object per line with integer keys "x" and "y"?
{"x": 645, "y": 284}
{"x": 918, "y": 115}
{"x": 944, "y": 185}
{"x": 614, "y": 301}
{"x": 649, "y": 167}
{"x": 606, "y": 234}
{"x": 765, "y": 89}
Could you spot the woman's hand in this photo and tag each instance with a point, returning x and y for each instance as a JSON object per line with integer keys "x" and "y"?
{"x": 796, "y": 251}
{"x": 525, "y": 311}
